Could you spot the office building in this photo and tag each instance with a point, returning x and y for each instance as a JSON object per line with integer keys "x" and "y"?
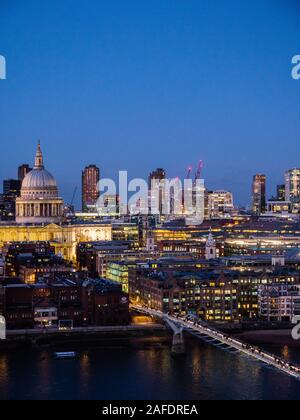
{"x": 11, "y": 190}
{"x": 12, "y": 187}
{"x": 259, "y": 194}
{"x": 281, "y": 192}
{"x": 220, "y": 204}
{"x": 90, "y": 190}
{"x": 29, "y": 260}
{"x": 279, "y": 302}
{"x": 292, "y": 188}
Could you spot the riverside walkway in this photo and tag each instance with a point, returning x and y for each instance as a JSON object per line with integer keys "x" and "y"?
{"x": 83, "y": 330}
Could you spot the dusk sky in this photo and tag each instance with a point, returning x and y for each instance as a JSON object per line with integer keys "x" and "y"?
{"x": 140, "y": 84}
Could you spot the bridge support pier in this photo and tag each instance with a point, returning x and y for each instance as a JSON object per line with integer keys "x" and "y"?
{"x": 178, "y": 345}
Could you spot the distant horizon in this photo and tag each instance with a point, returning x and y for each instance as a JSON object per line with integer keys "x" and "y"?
{"x": 139, "y": 85}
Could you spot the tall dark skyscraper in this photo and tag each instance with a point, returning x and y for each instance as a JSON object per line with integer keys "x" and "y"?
{"x": 259, "y": 194}
{"x": 11, "y": 190}
{"x": 12, "y": 187}
{"x": 23, "y": 170}
{"x": 90, "y": 192}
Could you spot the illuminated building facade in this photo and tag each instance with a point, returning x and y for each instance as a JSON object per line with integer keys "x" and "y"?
{"x": 203, "y": 294}
{"x": 214, "y": 292}
{"x": 279, "y": 302}
{"x": 264, "y": 227}
{"x": 279, "y": 207}
{"x": 171, "y": 234}
{"x": 220, "y": 204}
{"x": 126, "y": 232}
{"x": 259, "y": 194}
{"x": 94, "y": 256}
{"x": 28, "y": 261}
{"x": 193, "y": 248}
{"x": 259, "y": 245}
{"x": 292, "y": 188}
{"x": 64, "y": 238}
{"x": 118, "y": 272}
{"x": 90, "y": 191}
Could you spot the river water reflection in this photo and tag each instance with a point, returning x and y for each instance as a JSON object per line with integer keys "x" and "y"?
{"x": 143, "y": 370}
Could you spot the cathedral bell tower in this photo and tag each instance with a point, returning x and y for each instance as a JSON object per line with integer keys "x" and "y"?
{"x": 210, "y": 248}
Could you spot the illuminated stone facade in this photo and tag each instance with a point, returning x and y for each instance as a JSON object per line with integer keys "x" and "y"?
{"x": 63, "y": 237}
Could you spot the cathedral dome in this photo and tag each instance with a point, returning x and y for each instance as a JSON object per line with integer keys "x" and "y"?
{"x": 39, "y": 182}
{"x": 39, "y": 201}
{"x": 39, "y": 179}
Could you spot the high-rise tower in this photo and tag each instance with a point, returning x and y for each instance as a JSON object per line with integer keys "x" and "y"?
{"x": 292, "y": 188}
{"x": 90, "y": 190}
{"x": 259, "y": 194}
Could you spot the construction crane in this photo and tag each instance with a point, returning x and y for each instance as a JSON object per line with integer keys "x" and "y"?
{"x": 190, "y": 168}
{"x": 199, "y": 171}
{"x": 73, "y": 196}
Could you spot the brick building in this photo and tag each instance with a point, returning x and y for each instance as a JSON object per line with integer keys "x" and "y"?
{"x": 53, "y": 301}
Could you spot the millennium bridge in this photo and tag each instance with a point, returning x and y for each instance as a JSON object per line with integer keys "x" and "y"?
{"x": 214, "y": 337}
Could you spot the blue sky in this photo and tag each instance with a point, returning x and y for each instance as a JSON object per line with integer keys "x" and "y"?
{"x": 136, "y": 85}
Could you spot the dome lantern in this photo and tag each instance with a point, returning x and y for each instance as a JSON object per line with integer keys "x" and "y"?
{"x": 39, "y": 161}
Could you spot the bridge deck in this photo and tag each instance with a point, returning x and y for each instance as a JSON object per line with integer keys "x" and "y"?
{"x": 217, "y": 336}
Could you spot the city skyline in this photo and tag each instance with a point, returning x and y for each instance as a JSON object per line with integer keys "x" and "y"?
{"x": 160, "y": 86}
{"x": 76, "y": 195}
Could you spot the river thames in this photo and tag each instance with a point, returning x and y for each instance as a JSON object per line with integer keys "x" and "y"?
{"x": 142, "y": 369}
